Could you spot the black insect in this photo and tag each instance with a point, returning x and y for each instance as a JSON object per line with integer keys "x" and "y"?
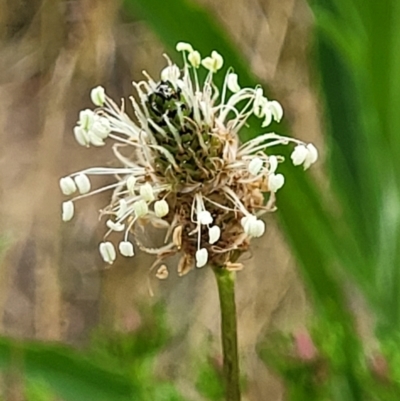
{"x": 163, "y": 99}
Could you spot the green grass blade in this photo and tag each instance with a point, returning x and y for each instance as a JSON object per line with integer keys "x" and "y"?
{"x": 363, "y": 101}
{"x": 70, "y": 375}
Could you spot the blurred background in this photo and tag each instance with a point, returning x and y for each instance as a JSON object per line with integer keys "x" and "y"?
{"x": 325, "y": 276}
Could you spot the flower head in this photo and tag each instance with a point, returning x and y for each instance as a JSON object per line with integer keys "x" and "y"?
{"x": 181, "y": 165}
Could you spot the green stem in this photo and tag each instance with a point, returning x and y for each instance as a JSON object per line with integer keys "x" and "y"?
{"x": 226, "y": 290}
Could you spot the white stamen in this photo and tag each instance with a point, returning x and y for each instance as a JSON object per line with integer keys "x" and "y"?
{"x": 312, "y": 156}
{"x": 126, "y": 249}
{"x": 201, "y": 257}
{"x": 107, "y": 252}
{"x": 171, "y": 74}
{"x": 214, "y": 234}
{"x": 183, "y": 46}
{"x": 146, "y": 192}
{"x": 258, "y": 229}
{"x": 194, "y": 59}
{"x": 273, "y": 163}
{"x": 83, "y": 183}
{"x": 123, "y": 208}
{"x": 67, "y": 210}
{"x": 232, "y": 82}
{"x": 268, "y": 117}
{"x": 260, "y": 103}
{"x": 275, "y": 182}
{"x": 86, "y": 119}
{"x": 94, "y": 139}
{"x": 67, "y": 185}
{"x": 98, "y": 96}
{"x": 140, "y": 208}
{"x": 161, "y": 208}
{"x": 218, "y": 59}
{"x": 81, "y": 136}
{"x": 130, "y": 184}
{"x": 213, "y": 63}
{"x": 276, "y": 110}
{"x": 252, "y": 226}
{"x": 101, "y": 127}
{"x": 115, "y": 226}
{"x": 299, "y": 155}
{"x": 204, "y": 217}
{"x": 255, "y": 165}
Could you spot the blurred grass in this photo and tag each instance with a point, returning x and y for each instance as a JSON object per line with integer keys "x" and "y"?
{"x": 68, "y": 374}
{"x": 363, "y": 129}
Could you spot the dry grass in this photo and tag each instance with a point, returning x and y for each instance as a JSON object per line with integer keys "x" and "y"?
{"x": 52, "y": 283}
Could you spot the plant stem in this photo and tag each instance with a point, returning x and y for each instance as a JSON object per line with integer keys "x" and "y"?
{"x": 226, "y": 290}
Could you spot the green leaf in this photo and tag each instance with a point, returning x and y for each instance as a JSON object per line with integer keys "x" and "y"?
{"x": 67, "y": 373}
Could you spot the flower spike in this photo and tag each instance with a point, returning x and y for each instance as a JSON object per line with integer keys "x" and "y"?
{"x": 181, "y": 167}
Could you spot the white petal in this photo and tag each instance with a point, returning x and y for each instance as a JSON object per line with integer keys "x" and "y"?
{"x": 115, "y": 226}
{"x": 312, "y": 156}
{"x": 232, "y": 82}
{"x": 214, "y": 234}
{"x": 204, "y": 217}
{"x": 67, "y": 185}
{"x": 194, "y": 59}
{"x": 275, "y": 182}
{"x": 98, "y": 96}
{"x": 276, "y": 110}
{"x": 146, "y": 192}
{"x": 140, "y": 207}
{"x": 255, "y": 165}
{"x": 183, "y": 46}
{"x": 299, "y": 155}
{"x": 126, "y": 249}
{"x": 107, "y": 252}
{"x": 161, "y": 208}
{"x": 201, "y": 257}
{"x": 273, "y": 164}
{"x": 83, "y": 183}
{"x": 81, "y": 136}
{"x": 67, "y": 210}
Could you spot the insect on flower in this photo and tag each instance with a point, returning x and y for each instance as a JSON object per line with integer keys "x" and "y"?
{"x": 181, "y": 165}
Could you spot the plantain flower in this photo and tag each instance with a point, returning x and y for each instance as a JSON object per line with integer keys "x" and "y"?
{"x": 180, "y": 165}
